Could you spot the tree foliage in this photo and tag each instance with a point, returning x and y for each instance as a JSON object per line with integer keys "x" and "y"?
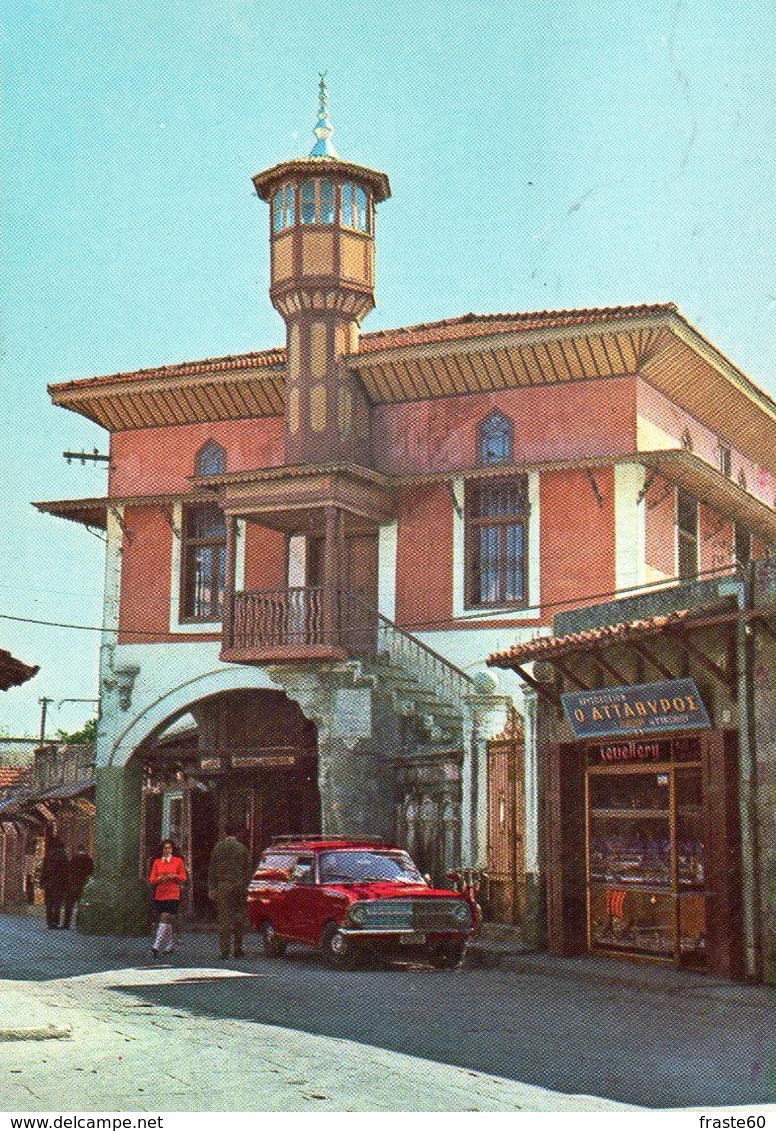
{"x": 87, "y": 733}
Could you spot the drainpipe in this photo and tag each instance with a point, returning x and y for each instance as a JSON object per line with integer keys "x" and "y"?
{"x": 747, "y": 775}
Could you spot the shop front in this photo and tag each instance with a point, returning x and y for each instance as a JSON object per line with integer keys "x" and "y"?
{"x": 646, "y": 740}
{"x": 244, "y": 760}
{"x": 643, "y": 850}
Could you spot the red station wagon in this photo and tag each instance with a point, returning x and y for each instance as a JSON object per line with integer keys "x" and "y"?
{"x": 354, "y": 898}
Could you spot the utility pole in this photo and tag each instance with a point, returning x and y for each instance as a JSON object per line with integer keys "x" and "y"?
{"x": 44, "y": 702}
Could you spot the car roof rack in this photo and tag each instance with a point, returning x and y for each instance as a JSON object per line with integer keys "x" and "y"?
{"x": 326, "y": 838}
{"x": 289, "y": 838}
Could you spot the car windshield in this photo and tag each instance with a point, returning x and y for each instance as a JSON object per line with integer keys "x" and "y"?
{"x": 357, "y": 865}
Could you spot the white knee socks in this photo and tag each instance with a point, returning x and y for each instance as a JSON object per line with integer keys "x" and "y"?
{"x": 165, "y": 939}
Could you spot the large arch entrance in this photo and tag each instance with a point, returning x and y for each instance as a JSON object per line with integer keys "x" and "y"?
{"x": 246, "y": 758}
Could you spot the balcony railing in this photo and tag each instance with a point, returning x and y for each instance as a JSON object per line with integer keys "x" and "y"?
{"x": 292, "y": 621}
{"x": 267, "y": 617}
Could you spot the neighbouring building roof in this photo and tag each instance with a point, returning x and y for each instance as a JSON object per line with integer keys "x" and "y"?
{"x": 13, "y": 672}
{"x": 10, "y": 775}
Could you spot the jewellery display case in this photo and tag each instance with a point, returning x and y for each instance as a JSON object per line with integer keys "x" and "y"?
{"x": 645, "y": 851}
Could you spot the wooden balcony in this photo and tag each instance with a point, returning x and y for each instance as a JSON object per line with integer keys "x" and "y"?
{"x": 301, "y": 624}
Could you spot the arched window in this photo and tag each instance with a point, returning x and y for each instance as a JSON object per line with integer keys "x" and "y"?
{"x": 494, "y": 439}
{"x": 283, "y": 208}
{"x": 210, "y": 459}
{"x": 354, "y": 207}
{"x": 288, "y": 206}
{"x": 277, "y": 211}
{"x": 307, "y": 202}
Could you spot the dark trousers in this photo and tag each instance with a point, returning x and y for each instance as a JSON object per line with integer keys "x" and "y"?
{"x": 230, "y": 914}
{"x": 71, "y": 899}
{"x": 54, "y": 901}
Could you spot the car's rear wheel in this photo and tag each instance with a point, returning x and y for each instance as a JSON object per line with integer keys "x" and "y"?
{"x": 337, "y": 950}
{"x": 271, "y": 945}
{"x": 446, "y": 956}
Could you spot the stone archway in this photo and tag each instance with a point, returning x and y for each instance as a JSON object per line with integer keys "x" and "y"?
{"x": 248, "y": 761}
{"x": 116, "y": 901}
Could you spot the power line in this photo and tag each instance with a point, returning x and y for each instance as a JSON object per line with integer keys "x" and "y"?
{"x": 423, "y": 625}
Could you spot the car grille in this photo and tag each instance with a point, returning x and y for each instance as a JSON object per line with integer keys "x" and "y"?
{"x": 413, "y": 915}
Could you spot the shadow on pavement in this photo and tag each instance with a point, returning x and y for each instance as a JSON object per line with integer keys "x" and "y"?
{"x": 656, "y": 1040}
{"x": 603, "y": 1040}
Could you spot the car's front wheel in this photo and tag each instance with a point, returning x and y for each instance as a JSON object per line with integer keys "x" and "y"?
{"x": 337, "y": 950}
{"x": 272, "y": 946}
{"x": 446, "y": 956}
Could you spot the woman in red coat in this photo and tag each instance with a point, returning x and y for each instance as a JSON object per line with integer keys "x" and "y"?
{"x": 166, "y": 877}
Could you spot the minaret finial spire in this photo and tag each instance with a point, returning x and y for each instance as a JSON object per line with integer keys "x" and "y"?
{"x": 323, "y": 127}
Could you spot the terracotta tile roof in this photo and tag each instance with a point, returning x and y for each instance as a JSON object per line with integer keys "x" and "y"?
{"x": 545, "y": 647}
{"x": 476, "y": 325}
{"x": 446, "y": 330}
{"x": 265, "y": 359}
{"x": 10, "y": 775}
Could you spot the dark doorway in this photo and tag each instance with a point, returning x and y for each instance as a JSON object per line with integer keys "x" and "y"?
{"x": 204, "y": 833}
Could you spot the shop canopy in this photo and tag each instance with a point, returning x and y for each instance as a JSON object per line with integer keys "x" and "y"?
{"x": 642, "y": 638}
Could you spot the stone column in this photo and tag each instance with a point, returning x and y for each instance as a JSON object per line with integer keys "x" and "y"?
{"x": 116, "y": 901}
{"x": 485, "y": 715}
{"x": 358, "y": 744}
{"x": 531, "y": 928}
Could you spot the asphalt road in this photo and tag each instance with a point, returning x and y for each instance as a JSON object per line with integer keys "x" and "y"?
{"x": 662, "y": 1040}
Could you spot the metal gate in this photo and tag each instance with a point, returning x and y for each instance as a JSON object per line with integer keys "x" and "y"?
{"x": 506, "y": 829}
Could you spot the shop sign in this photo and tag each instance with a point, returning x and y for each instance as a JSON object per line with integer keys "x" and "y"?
{"x": 210, "y": 763}
{"x": 672, "y": 705}
{"x": 615, "y": 753}
{"x": 244, "y": 761}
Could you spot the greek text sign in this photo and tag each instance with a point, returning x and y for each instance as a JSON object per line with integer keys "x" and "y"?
{"x": 673, "y": 705}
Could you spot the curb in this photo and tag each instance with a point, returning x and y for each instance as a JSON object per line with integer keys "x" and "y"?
{"x": 49, "y": 1033}
{"x": 619, "y": 974}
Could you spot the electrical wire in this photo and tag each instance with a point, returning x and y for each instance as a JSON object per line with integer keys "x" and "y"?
{"x": 427, "y": 626}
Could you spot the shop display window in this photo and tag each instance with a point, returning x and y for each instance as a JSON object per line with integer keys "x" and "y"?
{"x": 645, "y": 856}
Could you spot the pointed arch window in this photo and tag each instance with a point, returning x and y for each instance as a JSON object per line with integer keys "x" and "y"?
{"x": 494, "y": 439}
{"x": 210, "y": 459}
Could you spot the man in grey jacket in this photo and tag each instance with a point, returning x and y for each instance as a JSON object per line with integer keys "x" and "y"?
{"x": 228, "y": 877}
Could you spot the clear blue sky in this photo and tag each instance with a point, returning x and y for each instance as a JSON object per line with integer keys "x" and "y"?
{"x": 547, "y": 154}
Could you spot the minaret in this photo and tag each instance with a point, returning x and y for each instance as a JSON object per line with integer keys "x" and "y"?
{"x": 322, "y": 283}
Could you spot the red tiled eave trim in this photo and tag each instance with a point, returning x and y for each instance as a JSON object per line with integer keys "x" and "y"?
{"x": 545, "y": 647}
{"x": 447, "y": 329}
{"x": 268, "y": 359}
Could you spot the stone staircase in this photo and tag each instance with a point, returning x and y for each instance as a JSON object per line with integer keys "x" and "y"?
{"x": 422, "y": 684}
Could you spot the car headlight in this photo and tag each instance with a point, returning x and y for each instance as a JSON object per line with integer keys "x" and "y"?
{"x": 462, "y": 912}
{"x": 358, "y": 914}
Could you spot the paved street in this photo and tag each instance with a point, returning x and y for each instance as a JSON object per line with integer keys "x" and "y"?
{"x": 256, "y": 1034}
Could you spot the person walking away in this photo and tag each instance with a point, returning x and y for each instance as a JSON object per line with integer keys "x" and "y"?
{"x": 166, "y": 877}
{"x": 54, "y": 877}
{"x": 81, "y": 868}
{"x": 228, "y": 877}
